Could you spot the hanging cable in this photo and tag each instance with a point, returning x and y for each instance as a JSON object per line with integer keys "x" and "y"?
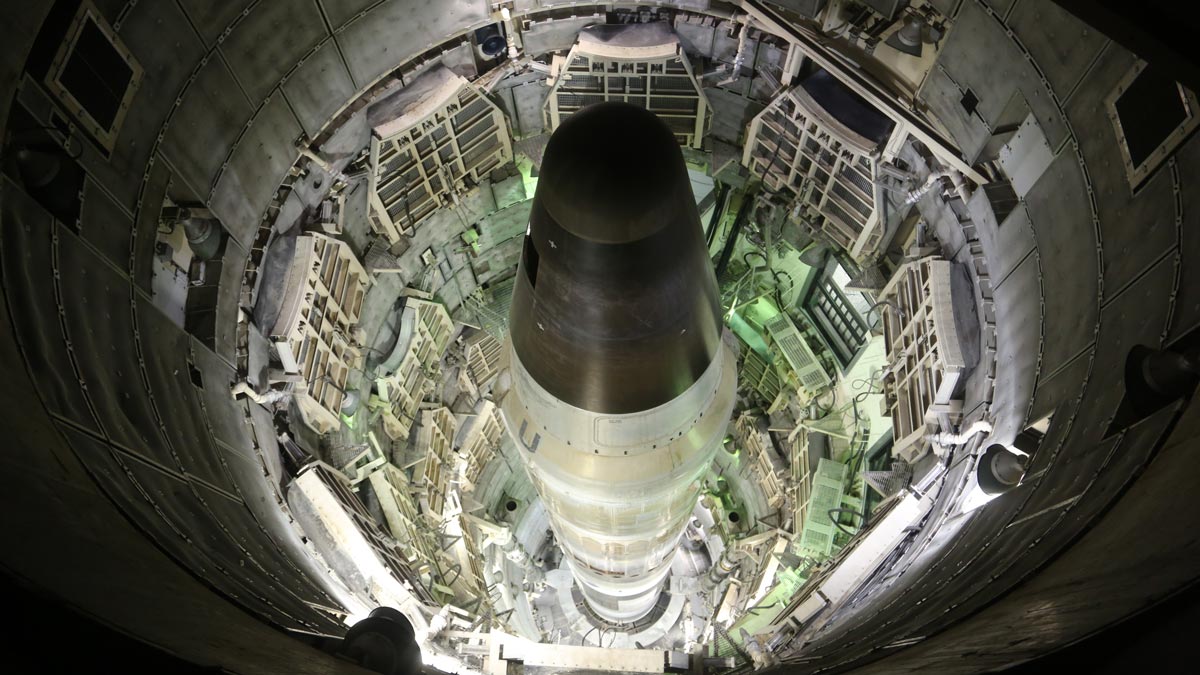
{"x": 833, "y": 519}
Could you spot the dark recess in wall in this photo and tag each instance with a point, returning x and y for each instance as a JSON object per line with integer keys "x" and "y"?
{"x": 45, "y": 636}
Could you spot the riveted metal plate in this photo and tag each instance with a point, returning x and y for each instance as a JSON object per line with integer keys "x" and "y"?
{"x": 1072, "y": 471}
{"x": 268, "y": 443}
{"x": 208, "y": 122}
{"x": 1012, "y": 552}
{"x": 1061, "y": 421}
{"x": 731, "y": 114}
{"x": 255, "y": 170}
{"x": 1018, "y": 332}
{"x": 560, "y": 34}
{"x": 1136, "y": 229}
{"x": 529, "y": 100}
{"x": 1001, "y": 6}
{"x": 212, "y": 18}
{"x": 224, "y": 413}
{"x": 264, "y": 498}
{"x": 21, "y": 23}
{"x": 164, "y": 509}
{"x": 267, "y": 520}
{"x": 1059, "y": 386}
{"x": 153, "y": 192}
{"x": 1138, "y": 316}
{"x": 341, "y": 11}
{"x": 100, "y": 327}
{"x": 232, "y": 272}
{"x": 941, "y": 95}
{"x": 319, "y": 87}
{"x": 269, "y": 41}
{"x": 159, "y": 35}
{"x": 394, "y": 31}
{"x": 979, "y": 55}
{"x": 165, "y": 349}
{"x": 211, "y": 552}
{"x": 108, "y": 473}
{"x": 1005, "y": 244}
{"x": 1187, "y": 303}
{"x": 1088, "y": 493}
{"x": 104, "y": 225}
{"x": 944, "y": 586}
{"x": 1062, "y": 45}
{"x": 29, "y": 287}
{"x": 1059, "y": 209}
{"x": 280, "y": 579}
{"x": 696, "y": 39}
{"x": 1135, "y": 449}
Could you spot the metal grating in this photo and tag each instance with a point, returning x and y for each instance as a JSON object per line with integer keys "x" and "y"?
{"x": 759, "y": 375}
{"x": 437, "y": 468}
{"x": 827, "y": 488}
{"x": 799, "y": 355}
{"x": 760, "y": 451}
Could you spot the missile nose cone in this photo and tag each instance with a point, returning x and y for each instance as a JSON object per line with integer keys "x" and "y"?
{"x": 613, "y": 174}
{"x": 615, "y": 308}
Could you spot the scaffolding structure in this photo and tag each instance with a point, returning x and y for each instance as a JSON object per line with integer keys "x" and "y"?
{"x": 924, "y": 354}
{"x": 796, "y": 146}
{"x": 759, "y": 375}
{"x": 482, "y": 442}
{"x": 787, "y": 339}
{"x": 438, "y": 465}
{"x": 418, "y": 541}
{"x": 314, "y": 333}
{"x": 436, "y": 138}
{"x": 820, "y": 528}
{"x": 483, "y": 357}
{"x": 425, "y": 330}
{"x": 451, "y": 569}
{"x": 642, "y": 64}
{"x": 322, "y": 485}
{"x": 800, "y": 483}
{"x": 763, "y": 466}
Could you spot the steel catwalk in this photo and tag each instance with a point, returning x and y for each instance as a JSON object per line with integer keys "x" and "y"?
{"x": 619, "y": 385}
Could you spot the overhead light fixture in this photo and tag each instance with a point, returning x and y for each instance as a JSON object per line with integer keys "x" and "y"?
{"x": 908, "y": 38}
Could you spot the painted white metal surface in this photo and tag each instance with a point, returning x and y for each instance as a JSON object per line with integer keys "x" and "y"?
{"x": 619, "y": 488}
{"x": 506, "y": 648}
{"x": 1026, "y": 156}
{"x": 867, "y": 554}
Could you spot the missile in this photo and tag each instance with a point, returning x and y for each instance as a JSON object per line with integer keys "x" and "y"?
{"x": 619, "y": 380}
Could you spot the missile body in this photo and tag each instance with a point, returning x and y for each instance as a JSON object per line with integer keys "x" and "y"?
{"x": 619, "y": 386}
